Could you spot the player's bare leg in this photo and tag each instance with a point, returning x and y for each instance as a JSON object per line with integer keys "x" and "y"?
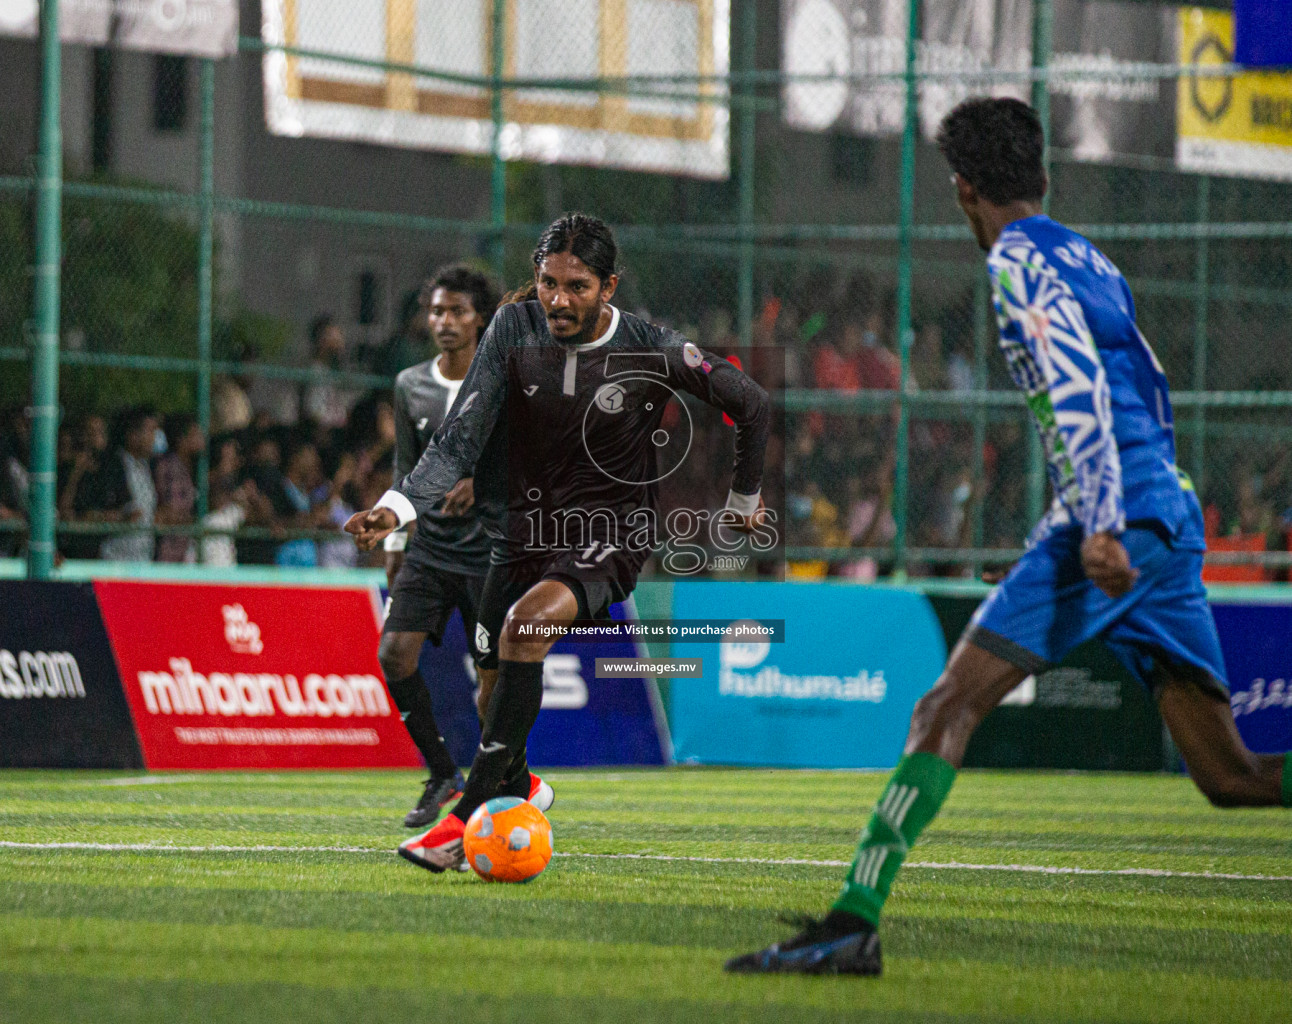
{"x": 551, "y": 608}
{"x": 973, "y": 683}
{"x": 399, "y": 653}
{"x": 1220, "y": 764}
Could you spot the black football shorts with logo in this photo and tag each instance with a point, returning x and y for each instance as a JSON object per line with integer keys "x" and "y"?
{"x": 596, "y": 582}
{"x": 425, "y": 596}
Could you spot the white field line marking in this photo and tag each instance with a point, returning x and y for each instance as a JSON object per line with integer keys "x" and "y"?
{"x": 1034, "y": 869}
{"x": 146, "y": 780}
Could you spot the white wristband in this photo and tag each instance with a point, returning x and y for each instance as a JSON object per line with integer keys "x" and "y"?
{"x": 400, "y": 505}
{"x": 745, "y": 504}
{"x": 396, "y": 541}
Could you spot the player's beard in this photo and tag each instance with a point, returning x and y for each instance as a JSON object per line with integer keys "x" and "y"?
{"x": 587, "y": 328}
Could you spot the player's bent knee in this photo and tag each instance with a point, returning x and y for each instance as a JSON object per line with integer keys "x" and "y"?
{"x": 398, "y": 654}
{"x": 947, "y": 708}
{"x": 524, "y": 638}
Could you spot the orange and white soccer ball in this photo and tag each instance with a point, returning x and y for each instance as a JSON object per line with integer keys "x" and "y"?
{"x": 507, "y": 840}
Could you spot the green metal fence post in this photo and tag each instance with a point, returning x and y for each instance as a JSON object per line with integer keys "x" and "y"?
{"x": 1201, "y": 273}
{"x": 42, "y": 502}
{"x": 980, "y": 304}
{"x": 205, "y": 282}
{"x": 906, "y": 218}
{"x": 1042, "y": 44}
{"x": 498, "y": 168}
{"x": 745, "y": 170}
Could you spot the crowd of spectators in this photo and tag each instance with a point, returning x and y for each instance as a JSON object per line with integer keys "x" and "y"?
{"x": 288, "y": 457}
{"x": 836, "y": 333}
{"x": 289, "y": 464}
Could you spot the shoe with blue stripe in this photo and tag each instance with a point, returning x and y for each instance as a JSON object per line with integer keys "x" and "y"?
{"x": 839, "y": 943}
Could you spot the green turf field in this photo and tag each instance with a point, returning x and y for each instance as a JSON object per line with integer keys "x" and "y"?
{"x": 323, "y": 922}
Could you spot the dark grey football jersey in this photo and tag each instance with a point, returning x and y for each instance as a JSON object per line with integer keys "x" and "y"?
{"x": 549, "y": 428}
{"x": 422, "y": 397}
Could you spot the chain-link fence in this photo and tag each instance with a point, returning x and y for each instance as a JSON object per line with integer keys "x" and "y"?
{"x": 769, "y": 172}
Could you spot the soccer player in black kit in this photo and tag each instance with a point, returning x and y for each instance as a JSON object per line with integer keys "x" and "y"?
{"x": 444, "y": 565}
{"x": 560, "y": 418}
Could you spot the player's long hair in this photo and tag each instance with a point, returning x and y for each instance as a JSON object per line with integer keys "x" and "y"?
{"x": 589, "y": 238}
{"x": 525, "y": 293}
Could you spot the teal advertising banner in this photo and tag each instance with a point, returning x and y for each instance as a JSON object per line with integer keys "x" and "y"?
{"x": 837, "y": 693}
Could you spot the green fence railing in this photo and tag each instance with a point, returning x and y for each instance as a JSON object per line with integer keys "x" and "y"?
{"x": 1213, "y": 275}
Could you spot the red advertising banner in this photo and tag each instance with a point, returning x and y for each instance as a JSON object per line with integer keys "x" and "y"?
{"x": 253, "y": 677}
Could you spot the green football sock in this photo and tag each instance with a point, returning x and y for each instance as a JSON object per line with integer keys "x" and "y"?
{"x": 909, "y": 802}
{"x": 1287, "y": 780}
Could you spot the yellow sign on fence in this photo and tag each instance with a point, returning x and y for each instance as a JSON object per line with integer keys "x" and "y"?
{"x": 1239, "y": 125}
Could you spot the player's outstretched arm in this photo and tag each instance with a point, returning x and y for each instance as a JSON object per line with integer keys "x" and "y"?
{"x": 452, "y": 453}
{"x": 1053, "y": 359}
{"x": 715, "y": 381}
{"x": 406, "y": 453}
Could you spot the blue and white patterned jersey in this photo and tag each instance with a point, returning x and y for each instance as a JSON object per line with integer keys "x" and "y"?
{"x": 1095, "y": 388}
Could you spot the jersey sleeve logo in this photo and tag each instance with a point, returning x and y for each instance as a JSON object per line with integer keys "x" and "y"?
{"x": 691, "y": 355}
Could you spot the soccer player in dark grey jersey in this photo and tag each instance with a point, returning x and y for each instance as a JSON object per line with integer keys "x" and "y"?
{"x": 440, "y": 563}
{"x": 561, "y": 412}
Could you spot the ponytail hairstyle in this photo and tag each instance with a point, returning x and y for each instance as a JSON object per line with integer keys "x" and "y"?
{"x": 525, "y": 293}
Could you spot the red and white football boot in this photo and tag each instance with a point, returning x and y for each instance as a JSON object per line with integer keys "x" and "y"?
{"x": 438, "y": 849}
{"x": 540, "y": 793}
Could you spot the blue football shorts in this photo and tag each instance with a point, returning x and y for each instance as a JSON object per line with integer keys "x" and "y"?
{"x": 1162, "y": 629}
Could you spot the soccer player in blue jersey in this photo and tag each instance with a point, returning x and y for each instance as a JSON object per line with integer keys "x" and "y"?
{"x": 1118, "y": 556}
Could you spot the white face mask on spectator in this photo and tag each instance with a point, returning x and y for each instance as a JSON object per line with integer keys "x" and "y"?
{"x": 160, "y": 444}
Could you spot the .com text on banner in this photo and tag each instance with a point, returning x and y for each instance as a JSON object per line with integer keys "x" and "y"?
{"x": 253, "y": 677}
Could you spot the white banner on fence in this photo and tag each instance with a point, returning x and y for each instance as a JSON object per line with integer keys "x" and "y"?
{"x": 1096, "y": 117}
{"x": 673, "y": 131}
{"x": 203, "y": 28}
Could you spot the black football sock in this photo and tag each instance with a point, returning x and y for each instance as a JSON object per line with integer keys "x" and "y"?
{"x": 516, "y": 782}
{"x": 513, "y": 709}
{"x": 843, "y": 922}
{"x": 414, "y": 703}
